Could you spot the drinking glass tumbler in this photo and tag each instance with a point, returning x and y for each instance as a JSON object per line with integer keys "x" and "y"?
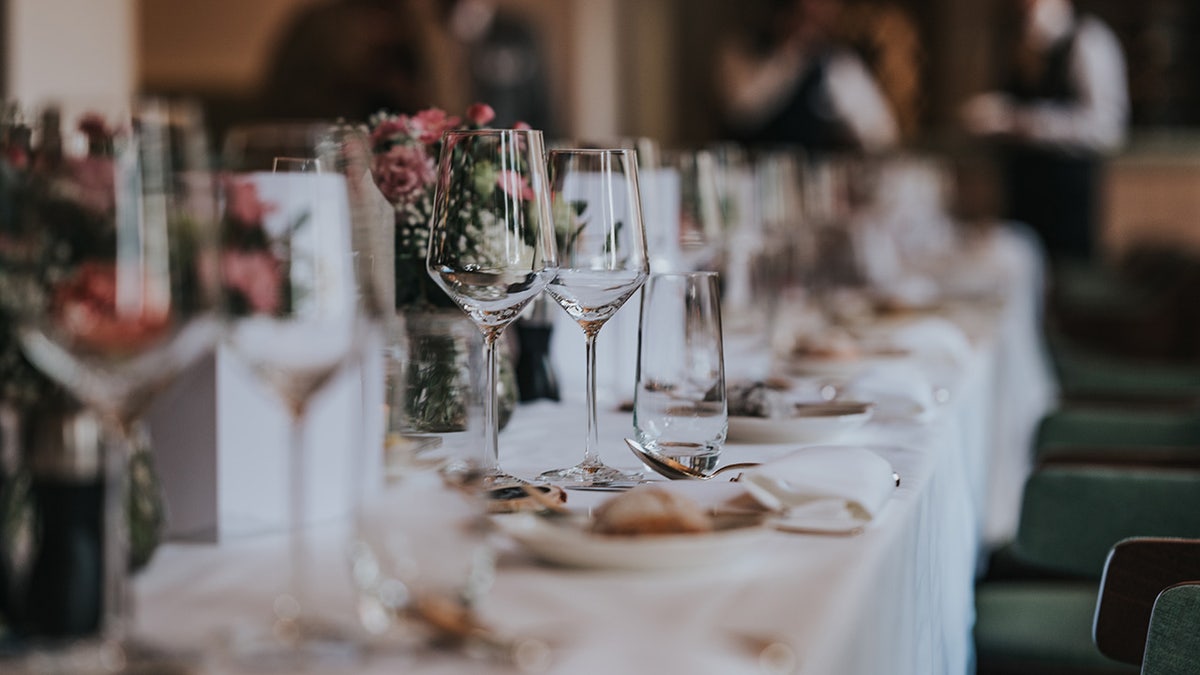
{"x": 679, "y": 404}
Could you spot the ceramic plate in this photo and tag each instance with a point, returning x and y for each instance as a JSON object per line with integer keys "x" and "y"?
{"x": 812, "y": 422}
{"x": 568, "y": 543}
{"x": 844, "y": 366}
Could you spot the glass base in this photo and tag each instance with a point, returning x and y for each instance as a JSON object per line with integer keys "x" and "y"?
{"x": 301, "y": 645}
{"x": 98, "y": 657}
{"x": 595, "y": 474}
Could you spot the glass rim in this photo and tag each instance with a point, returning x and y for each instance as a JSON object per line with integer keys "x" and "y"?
{"x": 488, "y": 132}
{"x": 698, "y": 273}
{"x": 592, "y": 151}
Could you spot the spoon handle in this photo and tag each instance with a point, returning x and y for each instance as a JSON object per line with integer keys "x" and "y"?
{"x": 732, "y": 467}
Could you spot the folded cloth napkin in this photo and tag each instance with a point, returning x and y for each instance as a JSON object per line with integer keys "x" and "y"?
{"x": 826, "y": 487}
{"x": 899, "y": 390}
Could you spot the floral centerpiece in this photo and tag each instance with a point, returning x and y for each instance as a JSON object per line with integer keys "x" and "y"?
{"x": 405, "y": 152}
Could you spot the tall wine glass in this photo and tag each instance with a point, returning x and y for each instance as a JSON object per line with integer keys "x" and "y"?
{"x": 106, "y": 268}
{"x": 290, "y": 288}
{"x": 491, "y": 244}
{"x": 700, "y": 224}
{"x": 602, "y": 261}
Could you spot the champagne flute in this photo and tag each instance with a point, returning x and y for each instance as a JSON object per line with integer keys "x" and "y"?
{"x": 106, "y": 269}
{"x": 602, "y": 248}
{"x": 491, "y": 245}
{"x": 290, "y": 287}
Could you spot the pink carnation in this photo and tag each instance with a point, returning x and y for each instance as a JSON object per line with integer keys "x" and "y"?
{"x": 389, "y": 128}
{"x": 402, "y": 173}
{"x": 515, "y": 184}
{"x": 480, "y": 114}
{"x": 243, "y": 205}
{"x": 428, "y": 125}
{"x": 254, "y": 274}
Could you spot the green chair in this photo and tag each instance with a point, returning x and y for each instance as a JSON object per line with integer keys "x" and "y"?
{"x": 1173, "y": 642}
{"x": 1087, "y": 376}
{"x": 1118, "y": 435}
{"x": 1136, "y": 575}
{"x": 1071, "y": 516}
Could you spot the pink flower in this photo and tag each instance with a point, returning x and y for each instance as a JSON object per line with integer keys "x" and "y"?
{"x": 94, "y": 127}
{"x": 91, "y": 183}
{"x": 254, "y": 274}
{"x": 243, "y": 205}
{"x": 480, "y": 114}
{"x": 389, "y": 128}
{"x": 522, "y": 126}
{"x": 86, "y": 309}
{"x": 402, "y": 173}
{"x": 427, "y": 126}
{"x": 515, "y": 184}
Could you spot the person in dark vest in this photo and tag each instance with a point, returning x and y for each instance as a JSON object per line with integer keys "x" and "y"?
{"x": 791, "y": 82}
{"x": 1064, "y": 106}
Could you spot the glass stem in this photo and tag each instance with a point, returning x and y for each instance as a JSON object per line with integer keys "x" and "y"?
{"x": 297, "y": 544}
{"x": 115, "y": 608}
{"x": 590, "y": 456}
{"x": 491, "y": 417}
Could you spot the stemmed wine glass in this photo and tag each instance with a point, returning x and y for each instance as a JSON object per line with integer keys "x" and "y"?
{"x": 700, "y": 222}
{"x": 491, "y": 244}
{"x": 602, "y": 248}
{"x": 106, "y": 268}
{"x": 296, "y": 318}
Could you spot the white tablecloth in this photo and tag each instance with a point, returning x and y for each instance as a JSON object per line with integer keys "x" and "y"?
{"x": 895, "y": 599}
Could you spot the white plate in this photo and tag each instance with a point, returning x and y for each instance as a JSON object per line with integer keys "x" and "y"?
{"x": 567, "y": 543}
{"x": 841, "y": 367}
{"x": 811, "y": 423}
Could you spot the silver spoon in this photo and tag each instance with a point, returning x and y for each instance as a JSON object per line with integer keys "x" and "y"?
{"x": 676, "y": 470}
{"x": 679, "y": 471}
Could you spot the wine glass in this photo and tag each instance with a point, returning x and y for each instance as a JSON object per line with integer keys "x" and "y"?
{"x": 699, "y": 218}
{"x": 491, "y": 245}
{"x": 602, "y": 248}
{"x": 106, "y": 267}
{"x": 296, "y": 319}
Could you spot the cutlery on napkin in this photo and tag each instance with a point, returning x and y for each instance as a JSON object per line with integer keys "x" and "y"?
{"x": 822, "y": 489}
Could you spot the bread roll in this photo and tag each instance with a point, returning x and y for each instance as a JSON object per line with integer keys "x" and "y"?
{"x": 651, "y": 510}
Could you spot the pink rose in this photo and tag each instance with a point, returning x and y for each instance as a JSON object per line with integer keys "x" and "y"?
{"x": 243, "y": 205}
{"x": 480, "y": 114}
{"x": 515, "y": 184}
{"x": 402, "y": 173}
{"x": 254, "y": 274}
{"x": 428, "y": 125}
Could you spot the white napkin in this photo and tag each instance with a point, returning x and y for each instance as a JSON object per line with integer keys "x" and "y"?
{"x": 899, "y": 390}
{"x": 834, "y": 488}
{"x": 936, "y": 342}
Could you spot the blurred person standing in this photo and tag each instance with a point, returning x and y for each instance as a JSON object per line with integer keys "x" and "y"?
{"x": 1065, "y": 104}
{"x": 504, "y": 65}
{"x": 353, "y": 58}
{"x": 791, "y": 82}
{"x": 887, "y": 39}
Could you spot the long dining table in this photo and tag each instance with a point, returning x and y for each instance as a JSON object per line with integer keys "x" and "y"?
{"x": 895, "y": 598}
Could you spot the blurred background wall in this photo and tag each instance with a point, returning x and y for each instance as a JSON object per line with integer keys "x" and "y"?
{"x": 644, "y": 67}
